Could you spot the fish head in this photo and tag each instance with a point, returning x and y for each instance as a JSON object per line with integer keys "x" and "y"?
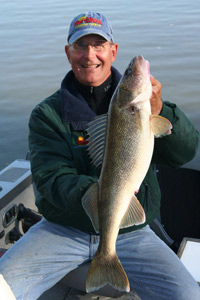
{"x": 136, "y": 80}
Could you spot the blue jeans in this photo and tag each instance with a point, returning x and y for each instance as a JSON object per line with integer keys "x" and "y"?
{"x": 48, "y": 251}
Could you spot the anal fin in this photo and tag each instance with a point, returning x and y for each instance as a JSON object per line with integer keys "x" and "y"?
{"x": 134, "y": 215}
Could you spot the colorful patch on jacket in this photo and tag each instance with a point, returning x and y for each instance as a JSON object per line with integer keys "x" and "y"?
{"x": 80, "y": 142}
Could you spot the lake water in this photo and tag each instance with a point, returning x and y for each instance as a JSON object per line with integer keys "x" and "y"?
{"x": 33, "y": 62}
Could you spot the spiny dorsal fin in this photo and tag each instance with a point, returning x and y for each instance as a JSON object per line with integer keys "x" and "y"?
{"x": 134, "y": 215}
{"x": 97, "y": 135}
{"x": 90, "y": 204}
{"x": 160, "y": 126}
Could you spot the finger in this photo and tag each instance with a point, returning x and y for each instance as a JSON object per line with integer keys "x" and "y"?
{"x": 155, "y": 82}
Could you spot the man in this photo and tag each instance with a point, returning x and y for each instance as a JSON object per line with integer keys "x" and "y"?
{"x": 65, "y": 238}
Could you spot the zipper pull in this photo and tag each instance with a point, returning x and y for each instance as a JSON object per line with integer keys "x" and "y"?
{"x": 91, "y": 89}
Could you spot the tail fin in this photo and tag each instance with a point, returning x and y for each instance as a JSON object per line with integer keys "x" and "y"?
{"x": 104, "y": 271}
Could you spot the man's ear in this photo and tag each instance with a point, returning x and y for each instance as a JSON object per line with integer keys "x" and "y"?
{"x": 67, "y": 51}
{"x": 114, "y": 51}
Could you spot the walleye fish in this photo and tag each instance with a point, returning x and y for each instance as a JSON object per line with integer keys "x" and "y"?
{"x": 122, "y": 141}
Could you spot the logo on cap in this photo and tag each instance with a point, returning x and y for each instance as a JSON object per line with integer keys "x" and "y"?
{"x": 87, "y": 21}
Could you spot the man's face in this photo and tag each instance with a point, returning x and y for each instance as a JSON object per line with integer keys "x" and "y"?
{"x": 91, "y": 65}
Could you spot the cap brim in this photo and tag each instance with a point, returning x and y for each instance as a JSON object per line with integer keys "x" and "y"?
{"x": 85, "y": 32}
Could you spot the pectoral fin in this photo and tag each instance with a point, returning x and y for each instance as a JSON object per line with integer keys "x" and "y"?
{"x": 160, "y": 126}
{"x": 90, "y": 205}
{"x": 134, "y": 215}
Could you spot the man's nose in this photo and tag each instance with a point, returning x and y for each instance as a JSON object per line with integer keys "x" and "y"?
{"x": 89, "y": 51}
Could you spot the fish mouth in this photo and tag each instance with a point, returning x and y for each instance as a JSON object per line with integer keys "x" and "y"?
{"x": 141, "y": 66}
{"x": 136, "y": 79}
{"x": 138, "y": 65}
{"x": 143, "y": 63}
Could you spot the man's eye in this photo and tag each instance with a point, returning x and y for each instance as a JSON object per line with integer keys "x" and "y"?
{"x": 79, "y": 46}
{"x": 82, "y": 46}
{"x": 97, "y": 46}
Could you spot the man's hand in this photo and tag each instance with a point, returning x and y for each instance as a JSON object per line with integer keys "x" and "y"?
{"x": 155, "y": 100}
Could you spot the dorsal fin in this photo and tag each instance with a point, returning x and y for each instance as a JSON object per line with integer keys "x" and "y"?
{"x": 97, "y": 135}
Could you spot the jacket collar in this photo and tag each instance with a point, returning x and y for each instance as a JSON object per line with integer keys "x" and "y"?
{"x": 75, "y": 109}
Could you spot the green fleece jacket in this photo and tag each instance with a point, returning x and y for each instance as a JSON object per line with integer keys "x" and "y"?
{"x": 61, "y": 167}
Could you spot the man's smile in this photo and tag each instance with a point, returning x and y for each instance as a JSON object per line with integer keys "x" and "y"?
{"x": 92, "y": 66}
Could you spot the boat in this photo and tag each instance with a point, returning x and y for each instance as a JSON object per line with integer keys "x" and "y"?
{"x": 18, "y": 213}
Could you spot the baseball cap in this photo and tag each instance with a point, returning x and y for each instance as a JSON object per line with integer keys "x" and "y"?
{"x": 89, "y": 23}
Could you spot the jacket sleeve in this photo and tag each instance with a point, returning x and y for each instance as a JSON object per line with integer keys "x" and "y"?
{"x": 52, "y": 162}
{"x": 181, "y": 145}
